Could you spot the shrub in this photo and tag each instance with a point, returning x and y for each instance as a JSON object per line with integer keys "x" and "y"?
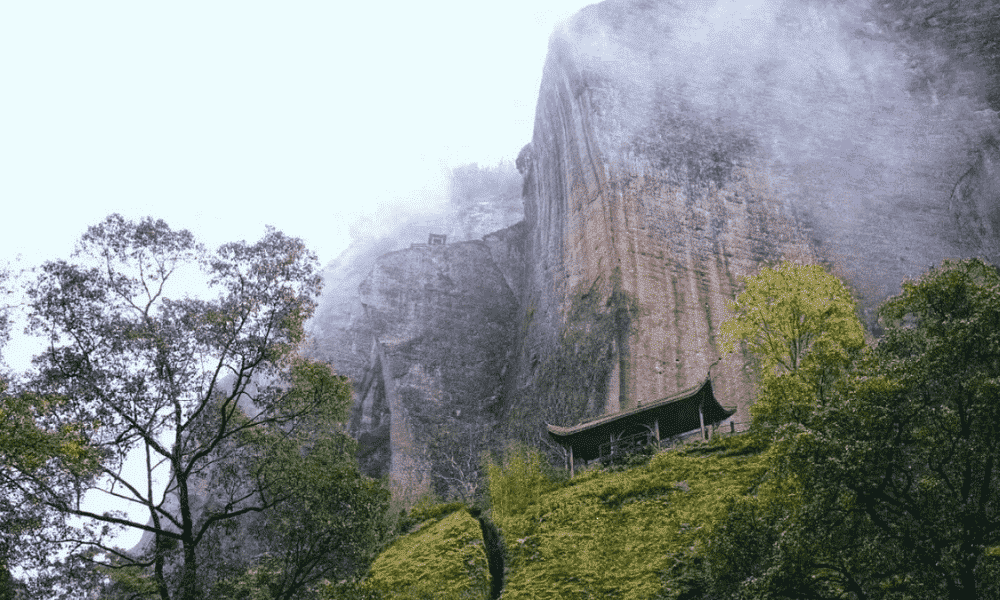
{"x": 517, "y": 482}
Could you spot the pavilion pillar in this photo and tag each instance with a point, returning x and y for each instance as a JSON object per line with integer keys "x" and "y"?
{"x": 656, "y": 431}
{"x": 701, "y": 418}
{"x": 571, "y": 461}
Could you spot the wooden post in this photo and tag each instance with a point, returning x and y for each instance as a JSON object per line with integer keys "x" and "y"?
{"x": 732, "y": 427}
{"x": 701, "y": 417}
{"x": 571, "y": 461}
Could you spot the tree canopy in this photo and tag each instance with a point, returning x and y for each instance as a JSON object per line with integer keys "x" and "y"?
{"x": 197, "y": 386}
{"x": 801, "y": 323}
{"x": 889, "y": 489}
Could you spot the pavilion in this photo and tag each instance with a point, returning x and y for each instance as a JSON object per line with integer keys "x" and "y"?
{"x": 652, "y": 422}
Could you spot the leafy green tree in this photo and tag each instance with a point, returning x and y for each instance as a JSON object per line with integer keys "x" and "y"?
{"x": 33, "y": 446}
{"x": 890, "y": 489}
{"x": 802, "y": 324}
{"x": 31, "y": 441}
{"x": 915, "y": 443}
{"x": 332, "y": 522}
{"x": 183, "y": 382}
{"x": 516, "y": 481}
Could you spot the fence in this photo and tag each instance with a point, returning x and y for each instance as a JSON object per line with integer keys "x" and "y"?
{"x": 732, "y": 429}
{"x": 636, "y": 442}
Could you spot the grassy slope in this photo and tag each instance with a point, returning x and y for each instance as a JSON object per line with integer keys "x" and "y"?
{"x": 605, "y": 534}
{"x": 443, "y": 559}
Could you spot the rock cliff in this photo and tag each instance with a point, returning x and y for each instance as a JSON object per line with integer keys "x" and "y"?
{"x": 439, "y": 320}
{"x": 677, "y": 147}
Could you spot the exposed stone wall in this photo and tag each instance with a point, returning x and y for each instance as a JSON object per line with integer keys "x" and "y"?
{"x": 683, "y": 145}
{"x": 440, "y": 319}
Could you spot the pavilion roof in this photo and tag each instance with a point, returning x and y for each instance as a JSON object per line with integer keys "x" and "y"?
{"x": 676, "y": 414}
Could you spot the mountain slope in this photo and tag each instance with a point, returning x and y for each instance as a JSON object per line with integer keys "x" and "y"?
{"x": 606, "y": 534}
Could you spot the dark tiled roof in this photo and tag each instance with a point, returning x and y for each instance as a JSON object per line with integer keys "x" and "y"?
{"x": 676, "y": 414}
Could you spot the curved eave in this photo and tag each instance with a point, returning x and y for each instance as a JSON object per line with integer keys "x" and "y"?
{"x": 682, "y": 395}
{"x": 676, "y": 415}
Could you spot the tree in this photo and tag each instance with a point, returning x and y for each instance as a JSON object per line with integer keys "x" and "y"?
{"x": 916, "y": 441}
{"x": 802, "y": 324}
{"x": 32, "y": 441}
{"x": 33, "y": 446}
{"x": 183, "y": 382}
{"x": 332, "y": 523}
{"x": 455, "y": 448}
{"x": 890, "y": 489}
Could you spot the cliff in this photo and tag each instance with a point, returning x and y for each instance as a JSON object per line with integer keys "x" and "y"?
{"x": 677, "y": 147}
{"x": 439, "y": 319}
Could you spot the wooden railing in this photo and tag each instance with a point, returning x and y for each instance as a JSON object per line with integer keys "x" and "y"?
{"x": 633, "y": 443}
{"x": 625, "y": 445}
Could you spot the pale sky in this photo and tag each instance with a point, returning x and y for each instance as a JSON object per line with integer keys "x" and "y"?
{"x": 222, "y": 117}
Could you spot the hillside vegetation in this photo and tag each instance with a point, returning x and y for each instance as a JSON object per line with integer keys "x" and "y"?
{"x": 609, "y": 533}
{"x": 870, "y": 470}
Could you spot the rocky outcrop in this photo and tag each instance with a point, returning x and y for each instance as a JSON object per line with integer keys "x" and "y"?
{"x": 677, "y": 147}
{"x": 439, "y": 318}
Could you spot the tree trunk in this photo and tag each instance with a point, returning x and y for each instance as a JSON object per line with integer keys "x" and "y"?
{"x": 189, "y": 589}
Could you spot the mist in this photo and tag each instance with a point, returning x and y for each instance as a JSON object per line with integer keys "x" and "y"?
{"x": 865, "y": 121}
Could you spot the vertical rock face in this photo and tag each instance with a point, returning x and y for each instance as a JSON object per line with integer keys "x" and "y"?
{"x": 439, "y": 318}
{"x": 677, "y": 147}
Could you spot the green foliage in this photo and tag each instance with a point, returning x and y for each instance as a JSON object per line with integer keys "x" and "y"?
{"x": 426, "y": 510}
{"x": 609, "y": 534}
{"x": 629, "y": 459}
{"x": 517, "y": 481}
{"x": 889, "y": 489}
{"x": 35, "y": 445}
{"x": 256, "y": 583}
{"x": 802, "y": 324}
{"x": 601, "y": 535}
{"x": 444, "y": 559}
{"x": 31, "y": 436}
{"x": 128, "y": 582}
{"x": 916, "y": 441}
{"x": 200, "y": 386}
{"x": 348, "y": 590}
{"x": 326, "y": 519}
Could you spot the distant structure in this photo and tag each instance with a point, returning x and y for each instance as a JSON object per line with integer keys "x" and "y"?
{"x": 434, "y": 239}
{"x": 668, "y": 418}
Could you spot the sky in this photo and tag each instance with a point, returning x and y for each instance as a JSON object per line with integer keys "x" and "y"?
{"x": 222, "y": 117}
